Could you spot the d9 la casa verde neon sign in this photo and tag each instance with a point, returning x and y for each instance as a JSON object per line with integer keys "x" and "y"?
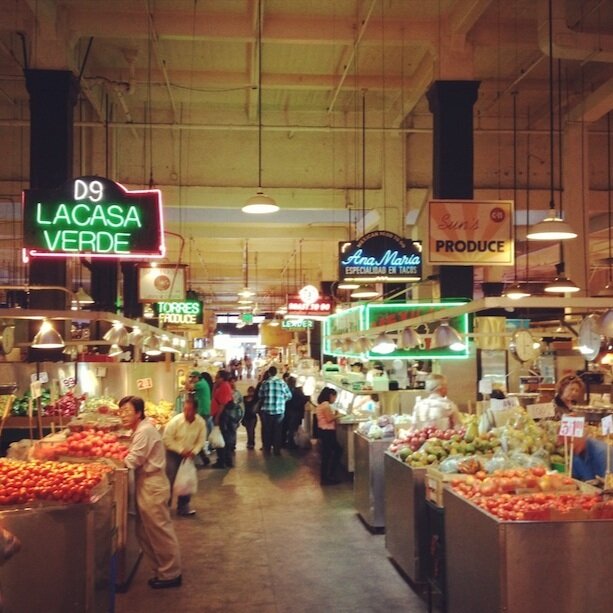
{"x": 93, "y": 217}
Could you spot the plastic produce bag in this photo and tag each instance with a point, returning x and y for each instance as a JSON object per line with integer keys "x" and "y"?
{"x": 186, "y": 481}
{"x": 216, "y": 438}
{"x": 302, "y": 439}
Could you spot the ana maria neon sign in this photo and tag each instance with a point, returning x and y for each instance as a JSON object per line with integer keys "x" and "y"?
{"x": 93, "y": 217}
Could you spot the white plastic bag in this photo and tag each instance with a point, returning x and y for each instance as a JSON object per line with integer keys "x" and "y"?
{"x": 302, "y": 439}
{"x": 186, "y": 481}
{"x": 216, "y": 438}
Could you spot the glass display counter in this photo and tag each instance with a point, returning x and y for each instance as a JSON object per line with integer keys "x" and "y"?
{"x": 64, "y": 564}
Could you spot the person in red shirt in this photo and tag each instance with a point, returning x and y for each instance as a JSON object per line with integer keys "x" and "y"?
{"x": 222, "y": 395}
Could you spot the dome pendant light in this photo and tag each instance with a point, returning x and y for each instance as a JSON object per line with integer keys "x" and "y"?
{"x": 552, "y": 227}
{"x": 47, "y": 337}
{"x": 516, "y": 292}
{"x": 384, "y": 344}
{"x": 365, "y": 291}
{"x": 260, "y": 204}
{"x": 561, "y": 285}
{"x": 447, "y": 336}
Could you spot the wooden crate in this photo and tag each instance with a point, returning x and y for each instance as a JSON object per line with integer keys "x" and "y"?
{"x": 435, "y": 482}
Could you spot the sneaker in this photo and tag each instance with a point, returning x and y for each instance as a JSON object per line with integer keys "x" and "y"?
{"x": 186, "y": 512}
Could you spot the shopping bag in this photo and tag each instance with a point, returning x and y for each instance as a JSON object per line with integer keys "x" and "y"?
{"x": 302, "y": 439}
{"x": 216, "y": 438}
{"x": 186, "y": 481}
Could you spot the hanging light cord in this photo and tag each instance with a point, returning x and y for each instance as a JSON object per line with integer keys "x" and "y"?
{"x": 551, "y": 123}
{"x": 260, "y": 94}
{"x": 609, "y": 193}
{"x": 514, "y": 94}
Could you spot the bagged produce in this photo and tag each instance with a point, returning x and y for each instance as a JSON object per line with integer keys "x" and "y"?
{"x": 216, "y": 438}
{"x": 186, "y": 481}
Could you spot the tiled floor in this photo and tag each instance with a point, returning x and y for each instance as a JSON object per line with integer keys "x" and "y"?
{"x": 268, "y": 539}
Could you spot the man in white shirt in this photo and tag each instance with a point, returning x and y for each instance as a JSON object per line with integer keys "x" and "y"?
{"x": 184, "y": 437}
{"x": 154, "y": 529}
{"x": 436, "y": 410}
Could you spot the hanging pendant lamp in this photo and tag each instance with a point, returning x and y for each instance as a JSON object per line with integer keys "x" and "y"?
{"x": 47, "y": 337}
{"x": 260, "y": 204}
{"x": 365, "y": 291}
{"x": 384, "y": 344}
{"x": 516, "y": 292}
{"x": 552, "y": 227}
{"x": 562, "y": 285}
{"x": 447, "y": 336}
{"x": 409, "y": 338}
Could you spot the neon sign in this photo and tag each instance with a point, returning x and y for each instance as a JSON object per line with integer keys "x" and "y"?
{"x": 93, "y": 217}
{"x": 297, "y": 324}
{"x": 179, "y": 312}
{"x": 320, "y": 307}
{"x": 380, "y": 256}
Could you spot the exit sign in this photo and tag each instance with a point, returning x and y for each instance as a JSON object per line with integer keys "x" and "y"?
{"x": 93, "y": 217}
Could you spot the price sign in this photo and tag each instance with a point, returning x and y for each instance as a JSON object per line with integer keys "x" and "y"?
{"x": 144, "y": 384}
{"x": 69, "y": 382}
{"x": 43, "y": 377}
{"x": 607, "y": 424}
{"x": 36, "y": 389}
{"x": 572, "y": 426}
{"x": 485, "y": 386}
{"x": 541, "y": 410}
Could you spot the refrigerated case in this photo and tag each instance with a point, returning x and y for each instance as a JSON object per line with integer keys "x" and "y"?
{"x": 64, "y": 564}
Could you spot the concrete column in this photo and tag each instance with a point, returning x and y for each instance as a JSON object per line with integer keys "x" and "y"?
{"x": 575, "y": 196}
{"x": 53, "y": 94}
{"x": 451, "y": 103}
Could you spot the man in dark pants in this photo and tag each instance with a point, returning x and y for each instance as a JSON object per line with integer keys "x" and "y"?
{"x": 273, "y": 393}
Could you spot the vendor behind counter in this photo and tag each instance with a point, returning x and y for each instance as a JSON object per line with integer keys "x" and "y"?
{"x": 590, "y": 458}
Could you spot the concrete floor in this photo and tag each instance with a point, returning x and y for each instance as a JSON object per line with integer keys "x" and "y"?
{"x": 268, "y": 539}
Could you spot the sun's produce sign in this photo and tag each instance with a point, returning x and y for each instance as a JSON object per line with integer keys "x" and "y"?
{"x": 470, "y": 232}
{"x": 92, "y": 217}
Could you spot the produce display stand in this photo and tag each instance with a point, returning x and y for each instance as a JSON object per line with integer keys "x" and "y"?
{"x": 368, "y": 480}
{"x": 524, "y": 566}
{"x": 64, "y": 564}
{"x": 405, "y": 517}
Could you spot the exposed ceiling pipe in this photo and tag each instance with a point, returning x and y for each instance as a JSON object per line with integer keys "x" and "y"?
{"x": 568, "y": 44}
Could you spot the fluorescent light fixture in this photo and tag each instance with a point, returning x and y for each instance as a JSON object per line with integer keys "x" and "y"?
{"x": 516, "y": 292}
{"x": 447, "y": 336}
{"x": 365, "y": 291}
{"x": 552, "y": 228}
{"x": 260, "y": 204}
{"x": 384, "y": 343}
{"x": 245, "y": 301}
{"x": 47, "y": 337}
{"x": 561, "y": 285}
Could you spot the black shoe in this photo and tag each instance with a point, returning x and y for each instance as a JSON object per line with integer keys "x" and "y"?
{"x": 159, "y": 584}
{"x": 229, "y": 465}
{"x": 250, "y": 446}
{"x": 186, "y": 512}
{"x": 218, "y": 465}
{"x": 330, "y": 481}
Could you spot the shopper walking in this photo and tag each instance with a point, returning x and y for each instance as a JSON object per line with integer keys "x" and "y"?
{"x": 184, "y": 438}
{"x": 202, "y": 393}
{"x": 154, "y": 529}
{"x": 294, "y": 413}
{"x": 274, "y": 393}
{"x": 250, "y": 418}
{"x": 330, "y": 448}
{"x": 222, "y": 395}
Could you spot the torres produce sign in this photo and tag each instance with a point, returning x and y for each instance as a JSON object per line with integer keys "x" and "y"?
{"x": 380, "y": 256}
{"x": 179, "y": 312}
{"x": 93, "y": 217}
{"x": 470, "y": 232}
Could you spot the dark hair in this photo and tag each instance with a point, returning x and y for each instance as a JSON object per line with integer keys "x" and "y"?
{"x": 192, "y": 398}
{"x": 272, "y": 371}
{"x": 291, "y": 382}
{"x": 326, "y": 394}
{"x": 137, "y": 402}
{"x": 223, "y": 374}
{"x": 207, "y": 377}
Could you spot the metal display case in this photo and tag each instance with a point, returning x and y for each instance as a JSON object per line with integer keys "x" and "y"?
{"x": 368, "y": 480}
{"x": 64, "y": 564}
{"x": 344, "y": 436}
{"x": 524, "y": 567}
{"x": 405, "y": 516}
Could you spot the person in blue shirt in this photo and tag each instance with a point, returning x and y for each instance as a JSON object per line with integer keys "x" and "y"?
{"x": 590, "y": 458}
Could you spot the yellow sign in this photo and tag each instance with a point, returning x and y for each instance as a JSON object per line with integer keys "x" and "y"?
{"x": 470, "y": 232}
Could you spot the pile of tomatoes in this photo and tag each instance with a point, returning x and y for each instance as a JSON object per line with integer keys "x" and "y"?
{"x": 92, "y": 443}
{"x": 22, "y": 482}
